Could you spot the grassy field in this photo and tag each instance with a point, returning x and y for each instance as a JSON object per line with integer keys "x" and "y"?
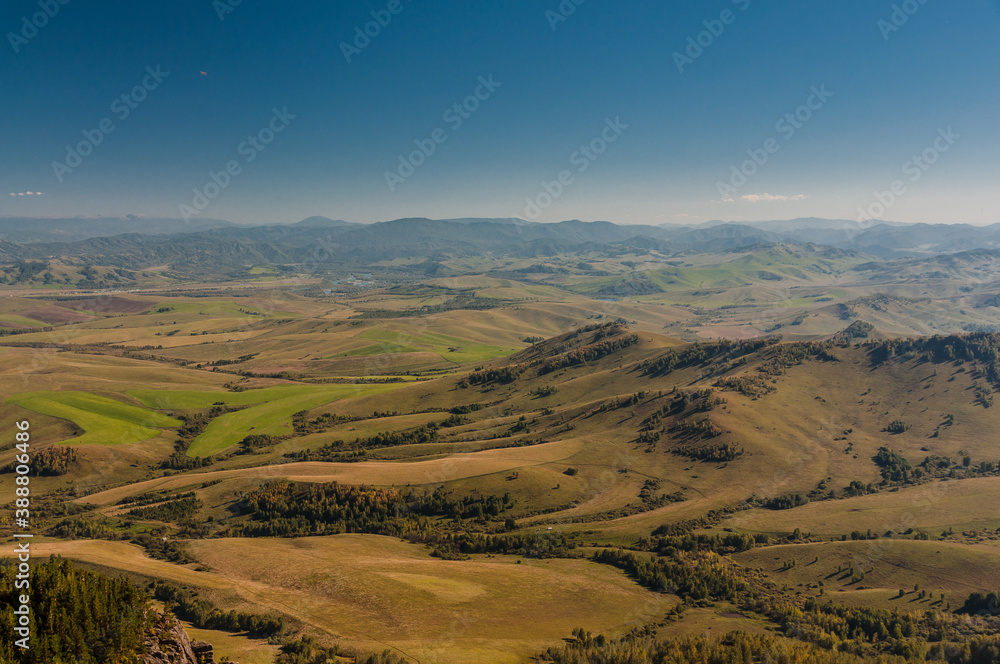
{"x": 237, "y": 647}
{"x": 274, "y": 417}
{"x": 449, "y": 468}
{"x": 454, "y": 349}
{"x": 949, "y": 568}
{"x": 128, "y": 557}
{"x": 270, "y": 409}
{"x": 104, "y": 421}
{"x": 932, "y": 508}
{"x": 566, "y": 444}
{"x": 384, "y": 593}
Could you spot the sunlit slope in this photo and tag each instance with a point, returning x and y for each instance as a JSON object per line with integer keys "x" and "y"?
{"x": 104, "y": 421}
{"x": 715, "y": 424}
{"x": 377, "y": 592}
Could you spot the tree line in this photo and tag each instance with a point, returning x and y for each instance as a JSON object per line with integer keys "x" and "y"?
{"x": 186, "y": 605}
{"x": 335, "y": 451}
{"x": 589, "y": 353}
{"x": 48, "y": 462}
{"x": 284, "y": 509}
{"x": 75, "y": 616}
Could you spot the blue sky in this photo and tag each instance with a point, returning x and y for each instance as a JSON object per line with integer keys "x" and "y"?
{"x": 559, "y": 81}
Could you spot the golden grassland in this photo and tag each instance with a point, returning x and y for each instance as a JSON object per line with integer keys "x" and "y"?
{"x": 377, "y": 592}
{"x": 370, "y": 473}
{"x": 575, "y": 469}
{"x": 932, "y": 508}
{"x": 951, "y": 569}
{"x": 237, "y": 647}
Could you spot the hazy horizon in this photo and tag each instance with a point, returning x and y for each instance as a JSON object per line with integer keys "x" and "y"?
{"x": 286, "y": 222}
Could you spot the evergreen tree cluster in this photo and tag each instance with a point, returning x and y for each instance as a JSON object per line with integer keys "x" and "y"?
{"x": 172, "y": 511}
{"x": 283, "y": 509}
{"x": 697, "y": 401}
{"x": 734, "y": 648}
{"x": 690, "y": 576}
{"x": 493, "y": 376}
{"x": 202, "y": 614}
{"x": 776, "y": 360}
{"x": 980, "y": 349}
{"x": 335, "y": 451}
{"x": 591, "y": 352}
{"x": 859, "y": 329}
{"x": 781, "y": 357}
{"x": 465, "y": 409}
{"x": 703, "y": 354}
{"x": 620, "y": 402}
{"x": 256, "y": 442}
{"x": 897, "y": 426}
{"x": 454, "y": 420}
{"x": 692, "y": 429}
{"x": 76, "y": 617}
{"x": 711, "y": 453}
{"x": 669, "y": 544}
{"x": 307, "y": 650}
{"x": 163, "y": 548}
{"x": 979, "y": 603}
{"x": 49, "y": 462}
{"x": 302, "y": 425}
{"x": 753, "y": 385}
{"x": 83, "y": 528}
{"x": 893, "y": 466}
{"x": 864, "y": 632}
{"x": 785, "y": 502}
{"x": 426, "y": 433}
{"x": 452, "y": 546}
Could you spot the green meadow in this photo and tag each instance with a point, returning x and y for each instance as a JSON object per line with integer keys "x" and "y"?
{"x": 105, "y": 421}
{"x": 453, "y": 349}
{"x": 269, "y": 413}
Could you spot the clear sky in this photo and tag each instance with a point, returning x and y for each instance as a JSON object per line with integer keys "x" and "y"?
{"x": 663, "y": 121}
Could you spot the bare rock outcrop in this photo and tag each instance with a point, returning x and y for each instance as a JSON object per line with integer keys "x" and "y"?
{"x": 170, "y": 644}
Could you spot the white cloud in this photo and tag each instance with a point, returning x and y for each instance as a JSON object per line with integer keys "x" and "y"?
{"x": 27, "y": 193}
{"x": 758, "y": 198}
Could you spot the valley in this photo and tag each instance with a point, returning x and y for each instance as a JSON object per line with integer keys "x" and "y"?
{"x": 471, "y": 467}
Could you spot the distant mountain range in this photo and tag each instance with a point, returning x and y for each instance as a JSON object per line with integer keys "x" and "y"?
{"x": 219, "y": 246}
{"x": 27, "y": 230}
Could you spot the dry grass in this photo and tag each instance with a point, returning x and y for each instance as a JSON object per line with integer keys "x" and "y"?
{"x": 377, "y": 592}
{"x": 890, "y": 565}
{"x": 452, "y": 467}
{"x": 962, "y": 505}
